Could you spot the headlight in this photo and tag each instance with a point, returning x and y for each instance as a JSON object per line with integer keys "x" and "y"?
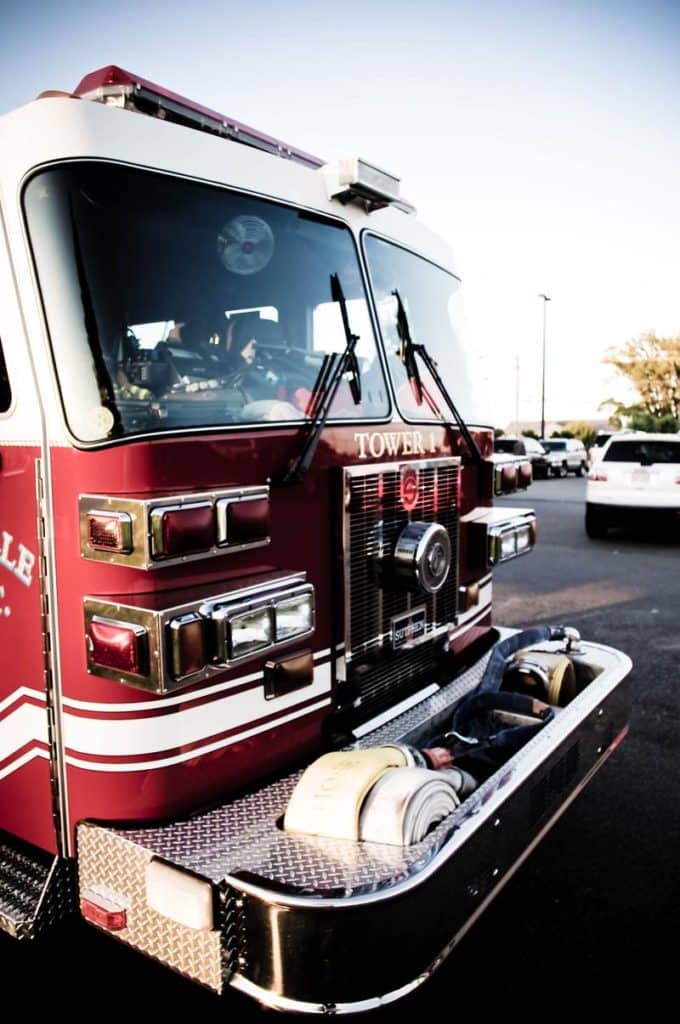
{"x": 294, "y": 617}
{"x": 511, "y": 538}
{"x": 244, "y": 629}
{"x": 249, "y": 632}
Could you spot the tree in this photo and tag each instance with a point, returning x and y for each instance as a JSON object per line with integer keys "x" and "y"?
{"x": 583, "y": 431}
{"x": 652, "y": 365}
{"x": 565, "y": 432}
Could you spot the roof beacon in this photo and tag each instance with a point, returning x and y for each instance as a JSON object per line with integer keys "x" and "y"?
{"x": 356, "y": 181}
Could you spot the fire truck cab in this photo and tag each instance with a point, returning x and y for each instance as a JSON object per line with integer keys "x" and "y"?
{"x": 249, "y": 520}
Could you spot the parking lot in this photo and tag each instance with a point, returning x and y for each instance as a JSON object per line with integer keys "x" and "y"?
{"x": 595, "y": 906}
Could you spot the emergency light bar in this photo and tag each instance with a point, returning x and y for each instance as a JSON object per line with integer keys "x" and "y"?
{"x": 349, "y": 180}
{"x": 115, "y": 86}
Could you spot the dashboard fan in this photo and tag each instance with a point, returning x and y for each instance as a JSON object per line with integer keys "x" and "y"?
{"x": 245, "y": 244}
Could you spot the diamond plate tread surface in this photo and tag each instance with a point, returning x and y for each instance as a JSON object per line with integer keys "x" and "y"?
{"x": 243, "y": 837}
{"x": 36, "y": 889}
{"x": 109, "y": 862}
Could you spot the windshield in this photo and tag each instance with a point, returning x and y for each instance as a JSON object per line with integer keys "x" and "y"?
{"x": 554, "y": 446}
{"x": 644, "y": 452}
{"x": 171, "y": 304}
{"x": 432, "y": 302}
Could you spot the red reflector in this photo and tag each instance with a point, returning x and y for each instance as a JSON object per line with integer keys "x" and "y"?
{"x": 619, "y": 738}
{"x": 598, "y": 477}
{"x": 121, "y": 646}
{"x": 112, "y": 920}
{"x": 182, "y": 529}
{"x": 109, "y": 531}
{"x": 243, "y": 522}
{"x": 508, "y": 478}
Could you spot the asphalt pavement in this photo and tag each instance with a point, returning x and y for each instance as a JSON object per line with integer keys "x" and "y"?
{"x": 589, "y": 922}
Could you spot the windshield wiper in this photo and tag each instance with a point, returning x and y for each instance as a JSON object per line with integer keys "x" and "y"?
{"x": 333, "y": 368}
{"x": 407, "y": 353}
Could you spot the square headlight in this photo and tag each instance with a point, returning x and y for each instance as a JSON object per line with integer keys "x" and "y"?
{"x": 249, "y": 632}
{"x": 523, "y": 538}
{"x": 294, "y": 616}
{"x": 507, "y": 545}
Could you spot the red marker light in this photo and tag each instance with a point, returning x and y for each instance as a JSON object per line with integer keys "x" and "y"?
{"x": 597, "y": 476}
{"x": 508, "y": 479}
{"x": 121, "y": 646}
{"x": 182, "y": 529}
{"x": 245, "y": 521}
{"x": 112, "y": 920}
{"x": 525, "y": 475}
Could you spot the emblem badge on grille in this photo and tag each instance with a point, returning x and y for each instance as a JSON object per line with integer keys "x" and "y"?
{"x": 406, "y": 629}
{"x": 409, "y": 485}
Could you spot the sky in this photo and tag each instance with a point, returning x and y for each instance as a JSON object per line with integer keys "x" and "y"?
{"x": 541, "y": 139}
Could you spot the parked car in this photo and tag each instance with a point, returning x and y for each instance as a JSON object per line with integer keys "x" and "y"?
{"x": 638, "y": 473}
{"x": 566, "y": 455}
{"x": 527, "y": 446}
{"x": 597, "y": 447}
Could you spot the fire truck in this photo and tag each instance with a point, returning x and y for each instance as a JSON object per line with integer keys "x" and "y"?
{"x": 249, "y": 524}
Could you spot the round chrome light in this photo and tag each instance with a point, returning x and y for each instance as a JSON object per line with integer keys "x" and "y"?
{"x": 422, "y": 556}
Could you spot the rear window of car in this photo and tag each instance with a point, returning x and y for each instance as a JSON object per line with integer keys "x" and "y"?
{"x": 644, "y": 452}
{"x": 554, "y": 446}
{"x": 509, "y": 444}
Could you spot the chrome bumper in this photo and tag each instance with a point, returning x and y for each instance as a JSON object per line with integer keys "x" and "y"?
{"x": 319, "y": 925}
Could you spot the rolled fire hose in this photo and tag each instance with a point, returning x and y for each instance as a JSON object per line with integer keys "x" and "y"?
{"x": 404, "y": 804}
{"x": 328, "y": 797}
{"x": 548, "y": 674}
{"x": 376, "y": 795}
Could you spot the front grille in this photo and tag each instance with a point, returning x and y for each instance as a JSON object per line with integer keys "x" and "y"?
{"x": 378, "y": 673}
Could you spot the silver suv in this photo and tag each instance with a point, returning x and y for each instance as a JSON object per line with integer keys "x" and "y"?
{"x": 566, "y": 455}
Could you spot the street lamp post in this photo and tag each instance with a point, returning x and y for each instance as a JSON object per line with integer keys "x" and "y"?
{"x": 546, "y": 300}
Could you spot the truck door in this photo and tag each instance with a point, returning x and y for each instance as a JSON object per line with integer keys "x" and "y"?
{"x": 25, "y": 787}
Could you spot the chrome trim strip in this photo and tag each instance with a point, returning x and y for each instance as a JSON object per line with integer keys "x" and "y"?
{"x": 277, "y": 1002}
{"x": 398, "y": 709}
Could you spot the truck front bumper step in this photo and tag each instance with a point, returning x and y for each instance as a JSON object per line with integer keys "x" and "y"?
{"x": 319, "y": 925}
{"x": 36, "y": 889}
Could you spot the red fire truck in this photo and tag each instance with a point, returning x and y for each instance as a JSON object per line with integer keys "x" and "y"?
{"x": 247, "y": 522}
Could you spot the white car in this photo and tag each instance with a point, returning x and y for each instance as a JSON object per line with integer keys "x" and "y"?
{"x": 637, "y": 473}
